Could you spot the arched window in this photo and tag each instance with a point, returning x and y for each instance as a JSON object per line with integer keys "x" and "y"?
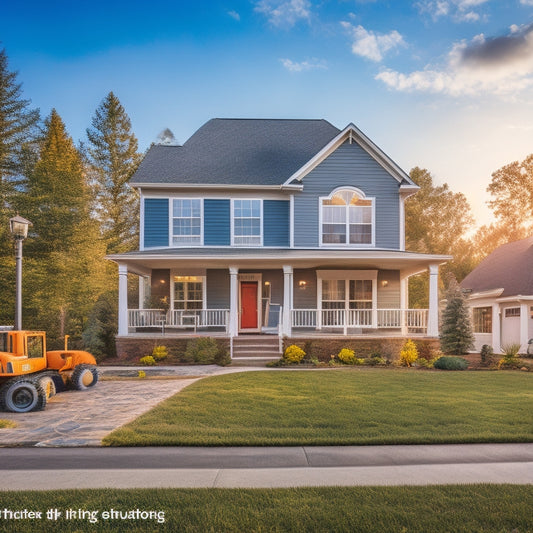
{"x": 347, "y": 218}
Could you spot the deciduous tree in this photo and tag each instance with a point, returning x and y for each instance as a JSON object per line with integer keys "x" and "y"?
{"x": 437, "y": 221}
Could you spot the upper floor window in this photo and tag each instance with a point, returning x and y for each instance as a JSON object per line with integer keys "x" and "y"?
{"x": 247, "y": 216}
{"x": 347, "y": 218}
{"x": 186, "y": 221}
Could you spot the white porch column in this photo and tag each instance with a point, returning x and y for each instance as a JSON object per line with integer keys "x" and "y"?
{"x": 233, "y": 328}
{"x": 142, "y": 292}
{"x": 288, "y": 288}
{"x": 404, "y": 303}
{"x": 524, "y": 326}
{"x": 122, "y": 299}
{"x": 433, "y": 318}
{"x": 496, "y": 328}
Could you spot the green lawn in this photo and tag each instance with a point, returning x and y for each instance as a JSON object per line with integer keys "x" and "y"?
{"x": 458, "y": 509}
{"x": 340, "y": 407}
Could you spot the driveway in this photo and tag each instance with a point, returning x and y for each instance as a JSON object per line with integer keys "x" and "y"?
{"x": 75, "y": 418}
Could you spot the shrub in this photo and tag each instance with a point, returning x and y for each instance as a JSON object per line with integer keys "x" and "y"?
{"x": 376, "y": 360}
{"x": 486, "y": 351}
{"x": 202, "y": 350}
{"x": 456, "y": 336}
{"x": 510, "y": 351}
{"x": 159, "y": 353}
{"x": 347, "y": 356}
{"x": 293, "y": 354}
{"x": 141, "y": 374}
{"x": 409, "y": 353}
{"x": 451, "y": 363}
{"x": 222, "y": 358}
{"x": 147, "y": 360}
{"x": 358, "y": 361}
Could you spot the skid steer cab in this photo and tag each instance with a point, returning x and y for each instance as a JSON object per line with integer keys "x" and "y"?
{"x": 29, "y": 375}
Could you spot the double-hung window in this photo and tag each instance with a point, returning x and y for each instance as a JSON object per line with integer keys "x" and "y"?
{"x": 347, "y": 219}
{"x": 186, "y": 221}
{"x": 247, "y": 216}
{"x": 188, "y": 292}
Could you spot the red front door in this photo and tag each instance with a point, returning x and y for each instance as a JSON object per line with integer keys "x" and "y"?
{"x": 249, "y": 305}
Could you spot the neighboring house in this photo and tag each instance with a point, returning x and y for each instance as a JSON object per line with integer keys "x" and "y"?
{"x": 500, "y": 294}
{"x": 290, "y": 227}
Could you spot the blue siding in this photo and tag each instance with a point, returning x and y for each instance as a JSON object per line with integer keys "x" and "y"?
{"x": 349, "y": 165}
{"x": 217, "y": 223}
{"x": 276, "y": 223}
{"x": 155, "y": 222}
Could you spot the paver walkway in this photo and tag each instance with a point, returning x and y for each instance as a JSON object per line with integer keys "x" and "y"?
{"x": 75, "y": 418}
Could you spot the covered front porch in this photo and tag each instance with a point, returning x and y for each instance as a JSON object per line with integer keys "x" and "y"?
{"x": 283, "y": 292}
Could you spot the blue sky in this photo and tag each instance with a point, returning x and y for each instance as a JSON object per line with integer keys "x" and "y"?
{"x": 442, "y": 84}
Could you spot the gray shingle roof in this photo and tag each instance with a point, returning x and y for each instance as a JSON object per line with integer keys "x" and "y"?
{"x": 237, "y": 152}
{"x": 509, "y": 267}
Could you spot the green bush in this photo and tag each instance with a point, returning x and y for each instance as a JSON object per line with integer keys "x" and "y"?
{"x": 451, "y": 363}
{"x": 222, "y": 358}
{"x": 347, "y": 356}
{"x": 293, "y": 354}
{"x": 147, "y": 360}
{"x": 510, "y": 351}
{"x": 202, "y": 350}
{"x": 159, "y": 353}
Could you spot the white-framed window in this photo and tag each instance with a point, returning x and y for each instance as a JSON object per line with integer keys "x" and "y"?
{"x": 347, "y": 219}
{"x": 482, "y": 319}
{"x": 247, "y": 222}
{"x": 186, "y": 221}
{"x": 188, "y": 293}
{"x": 512, "y": 312}
{"x": 360, "y": 294}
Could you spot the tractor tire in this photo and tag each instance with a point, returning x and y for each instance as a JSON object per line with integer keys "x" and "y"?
{"x": 47, "y": 380}
{"x": 22, "y": 396}
{"x": 84, "y": 377}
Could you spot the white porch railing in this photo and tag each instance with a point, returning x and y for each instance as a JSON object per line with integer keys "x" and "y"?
{"x": 360, "y": 318}
{"x": 178, "y": 318}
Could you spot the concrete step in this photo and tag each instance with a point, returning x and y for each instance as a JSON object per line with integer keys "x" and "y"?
{"x": 256, "y": 354}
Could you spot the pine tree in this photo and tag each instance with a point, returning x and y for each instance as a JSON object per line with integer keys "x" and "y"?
{"x": 113, "y": 158}
{"x": 64, "y": 266}
{"x": 18, "y": 129}
{"x": 456, "y": 330}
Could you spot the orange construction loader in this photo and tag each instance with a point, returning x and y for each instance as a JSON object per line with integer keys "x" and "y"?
{"x": 29, "y": 375}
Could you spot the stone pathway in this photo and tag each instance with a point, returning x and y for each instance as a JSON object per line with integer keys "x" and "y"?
{"x": 76, "y": 418}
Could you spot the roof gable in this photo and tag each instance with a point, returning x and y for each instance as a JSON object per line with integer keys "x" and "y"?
{"x": 508, "y": 268}
{"x": 352, "y": 134}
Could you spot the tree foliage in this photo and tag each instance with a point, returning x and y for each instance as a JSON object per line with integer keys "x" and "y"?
{"x": 456, "y": 331}
{"x": 436, "y": 222}
{"x": 511, "y": 189}
{"x": 113, "y": 158}
{"x": 64, "y": 270}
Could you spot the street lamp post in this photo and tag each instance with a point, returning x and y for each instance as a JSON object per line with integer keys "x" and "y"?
{"x": 19, "y": 229}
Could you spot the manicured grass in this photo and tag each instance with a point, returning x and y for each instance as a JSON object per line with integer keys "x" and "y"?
{"x": 340, "y": 407}
{"x": 461, "y": 509}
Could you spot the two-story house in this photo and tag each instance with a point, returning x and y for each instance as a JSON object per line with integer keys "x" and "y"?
{"x": 287, "y": 227}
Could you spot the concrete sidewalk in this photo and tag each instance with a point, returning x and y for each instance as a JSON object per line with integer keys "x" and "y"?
{"x": 276, "y": 467}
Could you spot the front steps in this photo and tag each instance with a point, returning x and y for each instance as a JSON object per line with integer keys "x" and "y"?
{"x": 255, "y": 350}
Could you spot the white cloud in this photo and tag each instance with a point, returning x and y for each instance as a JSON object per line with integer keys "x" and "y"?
{"x": 526, "y": 2}
{"x": 499, "y": 65}
{"x": 303, "y": 66}
{"x": 372, "y": 45}
{"x": 284, "y": 13}
{"x": 459, "y": 10}
{"x": 234, "y": 15}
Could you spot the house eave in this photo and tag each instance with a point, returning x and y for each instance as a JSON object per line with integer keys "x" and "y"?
{"x": 221, "y": 186}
